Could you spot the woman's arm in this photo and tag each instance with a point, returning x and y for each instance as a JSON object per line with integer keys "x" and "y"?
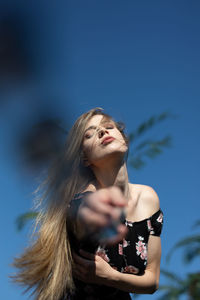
{"x": 97, "y": 211}
{"x": 144, "y": 284}
{"x": 147, "y": 283}
{"x": 93, "y": 269}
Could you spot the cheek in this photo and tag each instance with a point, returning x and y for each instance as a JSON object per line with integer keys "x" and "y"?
{"x": 121, "y": 139}
{"x": 118, "y": 135}
{"x": 88, "y": 148}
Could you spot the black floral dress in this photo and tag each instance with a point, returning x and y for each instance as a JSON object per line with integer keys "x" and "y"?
{"x": 128, "y": 256}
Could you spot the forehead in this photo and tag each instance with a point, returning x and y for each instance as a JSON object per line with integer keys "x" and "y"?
{"x": 97, "y": 120}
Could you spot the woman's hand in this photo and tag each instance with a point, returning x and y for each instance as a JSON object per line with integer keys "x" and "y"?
{"x": 91, "y": 268}
{"x": 102, "y": 209}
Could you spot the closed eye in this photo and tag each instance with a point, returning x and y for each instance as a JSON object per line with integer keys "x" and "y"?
{"x": 109, "y": 126}
{"x": 89, "y": 134}
{"x": 91, "y": 130}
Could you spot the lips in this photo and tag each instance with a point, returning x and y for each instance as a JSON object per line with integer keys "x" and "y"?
{"x": 107, "y": 140}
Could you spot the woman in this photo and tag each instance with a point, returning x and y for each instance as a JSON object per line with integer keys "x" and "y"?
{"x": 83, "y": 249}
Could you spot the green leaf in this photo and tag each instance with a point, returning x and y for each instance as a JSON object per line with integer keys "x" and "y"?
{"x": 164, "y": 116}
{"x": 171, "y": 276}
{"x": 143, "y": 127}
{"x": 171, "y": 295}
{"x": 144, "y": 144}
{"x": 136, "y": 162}
{"x": 153, "y": 151}
{"x": 131, "y": 137}
{"x": 152, "y": 121}
{"x": 188, "y": 241}
{"x": 22, "y": 220}
{"x": 191, "y": 253}
{"x": 194, "y": 285}
{"x": 165, "y": 142}
{"x": 196, "y": 224}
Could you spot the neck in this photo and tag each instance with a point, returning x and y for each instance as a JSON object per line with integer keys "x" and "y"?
{"x": 112, "y": 174}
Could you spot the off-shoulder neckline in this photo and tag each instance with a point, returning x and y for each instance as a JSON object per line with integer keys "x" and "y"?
{"x": 144, "y": 220}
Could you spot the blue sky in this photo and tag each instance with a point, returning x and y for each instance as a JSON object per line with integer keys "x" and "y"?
{"x": 133, "y": 58}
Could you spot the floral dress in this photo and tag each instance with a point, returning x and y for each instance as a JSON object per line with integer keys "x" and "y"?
{"x": 128, "y": 256}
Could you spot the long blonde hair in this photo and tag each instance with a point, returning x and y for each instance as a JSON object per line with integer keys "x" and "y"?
{"x": 46, "y": 265}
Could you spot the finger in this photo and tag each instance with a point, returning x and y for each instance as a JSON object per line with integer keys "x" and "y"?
{"x": 98, "y": 204}
{"x": 116, "y": 197}
{"x": 92, "y": 218}
{"x": 107, "y": 201}
{"x": 122, "y": 231}
{"x": 99, "y": 219}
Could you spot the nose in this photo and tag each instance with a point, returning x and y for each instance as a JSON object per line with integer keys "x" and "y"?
{"x": 101, "y": 132}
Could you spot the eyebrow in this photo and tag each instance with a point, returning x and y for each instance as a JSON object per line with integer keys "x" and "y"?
{"x": 91, "y": 127}
{"x": 95, "y": 127}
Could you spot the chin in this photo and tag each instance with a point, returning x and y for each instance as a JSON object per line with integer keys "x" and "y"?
{"x": 117, "y": 154}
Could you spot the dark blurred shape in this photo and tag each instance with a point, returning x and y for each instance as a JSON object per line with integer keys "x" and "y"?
{"x": 15, "y": 57}
{"x": 42, "y": 142}
{"x": 36, "y": 115}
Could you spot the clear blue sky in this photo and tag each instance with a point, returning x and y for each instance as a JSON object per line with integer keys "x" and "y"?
{"x": 133, "y": 58}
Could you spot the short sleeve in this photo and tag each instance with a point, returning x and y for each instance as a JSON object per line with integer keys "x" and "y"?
{"x": 155, "y": 223}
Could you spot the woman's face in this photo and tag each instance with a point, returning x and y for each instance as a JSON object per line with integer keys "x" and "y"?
{"x": 102, "y": 139}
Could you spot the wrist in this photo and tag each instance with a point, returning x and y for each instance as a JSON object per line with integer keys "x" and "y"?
{"x": 113, "y": 278}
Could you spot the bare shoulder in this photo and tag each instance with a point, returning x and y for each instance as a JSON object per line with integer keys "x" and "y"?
{"x": 147, "y": 200}
{"x": 149, "y": 194}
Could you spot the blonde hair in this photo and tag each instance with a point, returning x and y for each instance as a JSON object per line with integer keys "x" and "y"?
{"x": 46, "y": 265}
